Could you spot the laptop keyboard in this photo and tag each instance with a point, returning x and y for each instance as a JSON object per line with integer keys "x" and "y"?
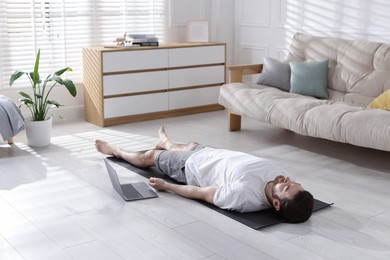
{"x": 130, "y": 192}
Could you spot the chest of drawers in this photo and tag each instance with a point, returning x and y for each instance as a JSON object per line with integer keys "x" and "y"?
{"x": 124, "y": 85}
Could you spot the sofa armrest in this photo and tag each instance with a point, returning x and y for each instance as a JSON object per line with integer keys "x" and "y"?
{"x": 237, "y": 71}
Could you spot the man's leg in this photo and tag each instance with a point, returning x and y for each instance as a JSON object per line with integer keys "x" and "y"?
{"x": 147, "y": 159}
{"x": 139, "y": 159}
{"x": 164, "y": 143}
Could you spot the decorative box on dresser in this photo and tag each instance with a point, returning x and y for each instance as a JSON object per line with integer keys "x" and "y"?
{"x": 131, "y": 84}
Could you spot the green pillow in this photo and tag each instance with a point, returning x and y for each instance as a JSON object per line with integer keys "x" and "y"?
{"x": 310, "y": 78}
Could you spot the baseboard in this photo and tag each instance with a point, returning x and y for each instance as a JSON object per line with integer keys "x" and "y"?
{"x": 68, "y": 113}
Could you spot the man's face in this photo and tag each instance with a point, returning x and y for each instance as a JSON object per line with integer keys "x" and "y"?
{"x": 284, "y": 188}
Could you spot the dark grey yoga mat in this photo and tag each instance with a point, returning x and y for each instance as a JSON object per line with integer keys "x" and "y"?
{"x": 255, "y": 220}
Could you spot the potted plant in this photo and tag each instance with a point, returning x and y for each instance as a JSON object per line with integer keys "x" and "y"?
{"x": 38, "y": 127}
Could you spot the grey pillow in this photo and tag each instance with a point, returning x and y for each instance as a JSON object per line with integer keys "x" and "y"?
{"x": 310, "y": 78}
{"x": 275, "y": 74}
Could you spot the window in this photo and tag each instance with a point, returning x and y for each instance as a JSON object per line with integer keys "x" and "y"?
{"x": 61, "y": 28}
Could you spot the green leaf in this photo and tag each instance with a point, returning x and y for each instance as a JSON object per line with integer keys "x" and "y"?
{"x": 25, "y": 95}
{"x": 35, "y": 75}
{"x": 62, "y": 71}
{"x": 38, "y": 79}
{"x": 17, "y": 74}
{"x": 68, "y": 84}
{"x": 53, "y": 102}
{"x": 26, "y": 101}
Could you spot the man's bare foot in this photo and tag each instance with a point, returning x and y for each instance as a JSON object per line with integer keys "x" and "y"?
{"x": 158, "y": 184}
{"x": 106, "y": 148}
{"x": 163, "y": 142}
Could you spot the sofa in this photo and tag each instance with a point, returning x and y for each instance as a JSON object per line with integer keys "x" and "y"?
{"x": 357, "y": 75}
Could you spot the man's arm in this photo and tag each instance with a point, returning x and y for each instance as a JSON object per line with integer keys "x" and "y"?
{"x": 187, "y": 191}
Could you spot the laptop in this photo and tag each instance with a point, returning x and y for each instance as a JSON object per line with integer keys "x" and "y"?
{"x": 129, "y": 191}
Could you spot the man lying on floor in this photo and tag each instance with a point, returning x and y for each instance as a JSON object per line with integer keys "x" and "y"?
{"x": 228, "y": 179}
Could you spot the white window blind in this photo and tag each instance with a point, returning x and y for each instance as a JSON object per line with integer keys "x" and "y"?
{"x": 61, "y": 28}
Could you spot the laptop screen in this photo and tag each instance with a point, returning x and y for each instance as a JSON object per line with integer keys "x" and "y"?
{"x": 113, "y": 177}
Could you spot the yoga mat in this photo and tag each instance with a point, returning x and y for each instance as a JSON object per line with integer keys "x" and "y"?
{"x": 255, "y": 220}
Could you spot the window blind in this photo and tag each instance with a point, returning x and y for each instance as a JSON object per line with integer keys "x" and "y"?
{"x": 61, "y": 28}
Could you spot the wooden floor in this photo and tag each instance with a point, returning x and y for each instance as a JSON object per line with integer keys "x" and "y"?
{"x": 57, "y": 202}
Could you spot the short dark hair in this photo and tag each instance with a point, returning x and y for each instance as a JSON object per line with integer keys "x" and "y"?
{"x": 297, "y": 209}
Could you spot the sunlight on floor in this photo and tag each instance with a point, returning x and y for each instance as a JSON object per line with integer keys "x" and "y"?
{"x": 84, "y": 142}
{"x": 68, "y": 157}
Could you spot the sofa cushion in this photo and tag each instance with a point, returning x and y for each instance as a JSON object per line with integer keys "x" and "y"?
{"x": 382, "y": 101}
{"x": 310, "y": 78}
{"x": 353, "y": 65}
{"x": 275, "y": 74}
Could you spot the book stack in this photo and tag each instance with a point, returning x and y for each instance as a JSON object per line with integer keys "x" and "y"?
{"x": 144, "y": 39}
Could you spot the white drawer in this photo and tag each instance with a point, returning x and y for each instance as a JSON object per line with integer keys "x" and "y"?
{"x": 134, "y": 60}
{"x": 134, "y": 82}
{"x": 196, "y": 55}
{"x": 133, "y": 105}
{"x": 196, "y": 76}
{"x": 193, "y": 97}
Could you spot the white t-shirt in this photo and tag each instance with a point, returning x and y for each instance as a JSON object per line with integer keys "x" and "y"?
{"x": 240, "y": 177}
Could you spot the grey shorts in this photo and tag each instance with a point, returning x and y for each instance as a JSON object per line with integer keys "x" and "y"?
{"x": 172, "y": 163}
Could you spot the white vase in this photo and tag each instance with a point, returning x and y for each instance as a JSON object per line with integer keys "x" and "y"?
{"x": 38, "y": 132}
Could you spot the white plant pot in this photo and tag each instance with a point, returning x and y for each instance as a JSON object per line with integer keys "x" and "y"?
{"x": 38, "y": 132}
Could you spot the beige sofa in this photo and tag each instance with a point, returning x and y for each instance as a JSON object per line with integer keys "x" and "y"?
{"x": 358, "y": 72}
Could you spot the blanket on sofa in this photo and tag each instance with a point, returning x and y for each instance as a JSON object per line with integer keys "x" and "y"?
{"x": 12, "y": 121}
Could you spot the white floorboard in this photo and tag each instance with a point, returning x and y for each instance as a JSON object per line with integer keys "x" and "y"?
{"x": 94, "y": 250}
{"x": 57, "y": 202}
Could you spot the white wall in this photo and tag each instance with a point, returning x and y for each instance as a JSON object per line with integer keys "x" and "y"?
{"x": 177, "y": 12}
{"x": 265, "y": 27}
{"x": 254, "y": 29}
{"x": 219, "y": 13}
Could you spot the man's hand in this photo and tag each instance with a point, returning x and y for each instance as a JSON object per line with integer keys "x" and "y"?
{"x": 157, "y": 183}
{"x": 186, "y": 191}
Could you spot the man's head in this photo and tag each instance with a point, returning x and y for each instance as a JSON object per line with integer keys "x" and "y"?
{"x": 291, "y": 200}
